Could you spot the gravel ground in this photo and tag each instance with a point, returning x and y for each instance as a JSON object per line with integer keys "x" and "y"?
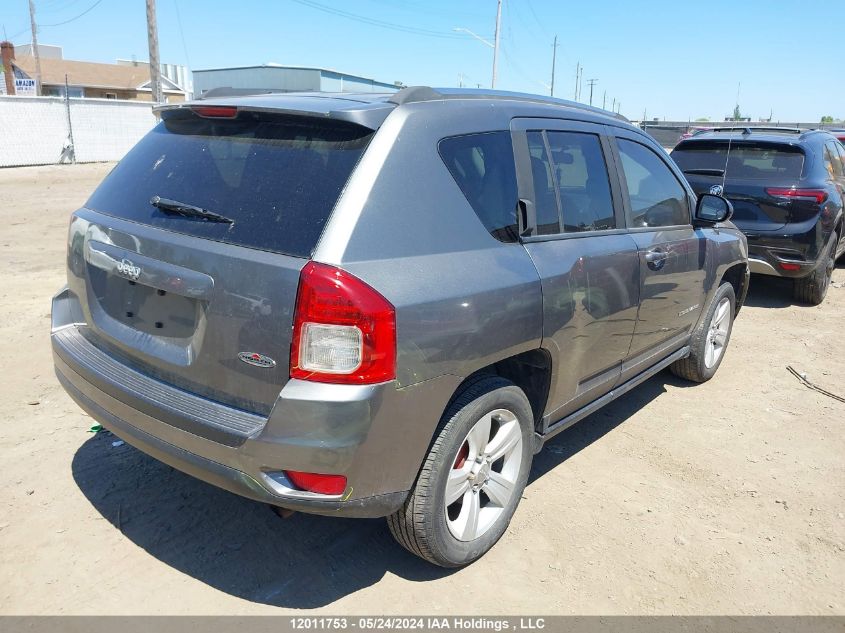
{"x": 676, "y": 499}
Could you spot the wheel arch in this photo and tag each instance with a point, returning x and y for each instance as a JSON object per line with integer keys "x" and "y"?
{"x": 737, "y": 275}
{"x": 531, "y": 371}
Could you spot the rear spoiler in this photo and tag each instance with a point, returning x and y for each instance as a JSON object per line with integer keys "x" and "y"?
{"x": 368, "y": 114}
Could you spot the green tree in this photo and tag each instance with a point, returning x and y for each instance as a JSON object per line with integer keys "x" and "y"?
{"x": 702, "y": 119}
{"x": 737, "y": 113}
{"x": 827, "y": 119}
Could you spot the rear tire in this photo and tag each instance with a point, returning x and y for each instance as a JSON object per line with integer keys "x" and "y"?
{"x": 710, "y": 339}
{"x": 473, "y": 477}
{"x": 813, "y": 288}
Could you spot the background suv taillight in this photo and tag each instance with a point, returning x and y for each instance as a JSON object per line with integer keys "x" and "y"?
{"x": 343, "y": 330}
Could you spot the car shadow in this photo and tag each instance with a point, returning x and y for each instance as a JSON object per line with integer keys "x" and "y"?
{"x": 234, "y": 544}
{"x": 244, "y": 549}
{"x": 592, "y": 428}
{"x": 766, "y": 291}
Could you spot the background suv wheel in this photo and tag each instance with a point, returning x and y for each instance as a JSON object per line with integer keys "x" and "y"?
{"x": 812, "y": 289}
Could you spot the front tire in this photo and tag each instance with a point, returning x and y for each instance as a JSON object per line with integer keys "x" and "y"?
{"x": 473, "y": 477}
{"x": 710, "y": 339}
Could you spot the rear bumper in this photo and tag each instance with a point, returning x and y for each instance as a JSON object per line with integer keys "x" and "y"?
{"x": 375, "y": 435}
{"x": 217, "y": 474}
{"x": 768, "y": 254}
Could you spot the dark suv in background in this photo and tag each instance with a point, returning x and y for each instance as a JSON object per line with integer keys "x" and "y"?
{"x": 787, "y": 187}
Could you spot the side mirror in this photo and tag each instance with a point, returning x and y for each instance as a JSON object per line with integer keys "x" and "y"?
{"x": 713, "y": 209}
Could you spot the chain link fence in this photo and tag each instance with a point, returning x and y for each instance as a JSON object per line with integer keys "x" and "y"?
{"x": 49, "y": 130}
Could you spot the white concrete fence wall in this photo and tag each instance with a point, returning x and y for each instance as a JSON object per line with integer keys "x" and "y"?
{"x": 34, "y": 130}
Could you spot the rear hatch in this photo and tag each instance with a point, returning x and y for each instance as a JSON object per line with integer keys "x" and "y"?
{"x": 188, "y": 254}
{"x": 751, "y": 171}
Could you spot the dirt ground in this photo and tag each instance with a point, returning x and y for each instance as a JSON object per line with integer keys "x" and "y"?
{"x": 726, "y": 497}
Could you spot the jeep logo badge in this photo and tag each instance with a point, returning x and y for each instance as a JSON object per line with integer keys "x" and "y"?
{"x": 716, "y": 190}
{"x": 258, "y": 360}
{"x": 126, "y": 268}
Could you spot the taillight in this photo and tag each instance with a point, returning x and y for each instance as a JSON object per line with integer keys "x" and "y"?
{"x": 216, "y": 112}
{"x": 818, "y": 195}
{"x": 314, "y": 482}
{"x": 789, "y": 266}
{"x": 343, "y": 330}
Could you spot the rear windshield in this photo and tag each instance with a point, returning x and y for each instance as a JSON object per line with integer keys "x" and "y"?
{"x": 277, "y": 177}
{"x": 753, "y": 161}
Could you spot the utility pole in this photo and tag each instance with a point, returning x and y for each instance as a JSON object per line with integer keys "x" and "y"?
{"x": 35, "y": 52}
{"x": 496, "y": 41}
{"x": 460, "y": 80}
{"x": 613, "y": 107}
{"x": 554, "y": 56}
{"x": 592, "y": 83}
{"x": 152, "y": 37}
{"x": 604, "y": 101}
{"x": 577, "y": 76}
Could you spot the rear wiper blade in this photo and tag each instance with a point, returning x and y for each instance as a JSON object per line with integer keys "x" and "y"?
{"x": 706, "y": 172}
{"x": 188, "y": 210}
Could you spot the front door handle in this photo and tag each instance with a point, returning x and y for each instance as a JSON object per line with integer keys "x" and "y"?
{"x": 656, "y": 258}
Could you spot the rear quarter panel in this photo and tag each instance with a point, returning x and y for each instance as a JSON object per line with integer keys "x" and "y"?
{"x": 463, "y": 299}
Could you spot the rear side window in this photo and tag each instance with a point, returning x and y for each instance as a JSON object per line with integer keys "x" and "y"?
{"x": 277, "y": 177}
{"x": 483, "y": 167}
{"x": 749, "y": 161}
{"x": 656, "y": 197}
{"x": 832, "y": 161}
{"x": 841, "y": 150}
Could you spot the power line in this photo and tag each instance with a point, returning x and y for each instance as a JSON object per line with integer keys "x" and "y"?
{"x": 88, "y": 10}
{"x": 379, "y": 23}
{"x": 534, "y": 13}
{"x": 182, "y": 32}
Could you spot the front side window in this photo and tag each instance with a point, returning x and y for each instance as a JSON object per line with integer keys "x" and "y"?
{"x": 483, "y": 167}
{"x": 581, "y": 177}
{"x": 656, "y": 196}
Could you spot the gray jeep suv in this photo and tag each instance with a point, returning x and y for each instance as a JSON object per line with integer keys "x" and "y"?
{"x": 384, "y": 305}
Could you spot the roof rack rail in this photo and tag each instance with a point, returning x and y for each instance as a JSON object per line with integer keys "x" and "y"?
{"x": 748, "y": 129}
{"x": 416, "y": 94}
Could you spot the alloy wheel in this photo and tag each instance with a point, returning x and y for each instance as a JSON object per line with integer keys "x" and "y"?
{"x": 717, "y": 334}
{"x": 482, "y": 480}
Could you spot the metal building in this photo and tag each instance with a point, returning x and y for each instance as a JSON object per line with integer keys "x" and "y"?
{"x": 280, "y": 78}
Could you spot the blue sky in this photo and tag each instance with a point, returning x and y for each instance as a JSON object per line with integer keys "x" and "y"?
{"x": 673, "y": 59}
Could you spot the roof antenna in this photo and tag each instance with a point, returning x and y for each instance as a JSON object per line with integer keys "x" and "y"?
{"x": 730, "y": 139}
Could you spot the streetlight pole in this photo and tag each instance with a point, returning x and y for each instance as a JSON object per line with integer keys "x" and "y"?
{"x": 494, "y": 44}
{"x": 554, "y": 57}
{"x": 496, "y": 41}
